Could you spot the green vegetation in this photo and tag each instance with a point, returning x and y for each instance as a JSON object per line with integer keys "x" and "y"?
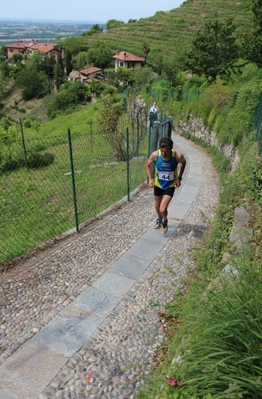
{"x": 37, "y": 190}
{"x": 171, "y": 33}
{"x": 36, "y": 178}
{"x": 213, "y": 346}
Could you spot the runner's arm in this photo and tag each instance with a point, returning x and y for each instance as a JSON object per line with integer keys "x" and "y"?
{"x": 149, "y": 162}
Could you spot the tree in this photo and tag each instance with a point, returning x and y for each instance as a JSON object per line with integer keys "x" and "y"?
{"x": 126, "y": 75}
{"x": 100, "y": 55}
{"x": 34, "y": 84}
{"x": 142, "y": 75}
{"x": 159, "y": 63}
{"x": 214, "y": 50}
{"x": 3, "y": 52}
{"x": 257, "y": 10}
{"x": 69, "y": 66}
{"x": 95, "y": 29}
{"x": 252, "y": 40}
{"x": 171, "y": 69}
{"x": 3, "y": 83}
{"x": 58, "y": 73}
{"x": 4, "y": 68}
{"x": 68, "y": 96}
{"x": 146, "y": 50}
{"x": 16, "y": 58}
{"x": 114, "y": 23}
{"x": 109, "y": 123}
{"x": 73, "y": 45}
{"x": 8, "y": 134}
{"x": 81, "y": 60}
{"x": 42, "y": 62}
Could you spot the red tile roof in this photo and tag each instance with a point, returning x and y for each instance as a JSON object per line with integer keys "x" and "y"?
{"x": 125, "y": 56}
{"x": 19, "y": 45}
{"x": 88, "y": 71}
{"x": 44, "y": 47}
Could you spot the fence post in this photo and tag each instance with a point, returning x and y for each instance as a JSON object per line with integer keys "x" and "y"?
{"x": 149, "y": 142}
{"x": 155, "y": 132}
{"x": 170, "y": 125}
{"x": 154, "y": 141}
{"x": 23, "y": 141}
{"x": 91, "y": 135}
{"x": 73, "y": 177}
{"x": 127, "y": 165}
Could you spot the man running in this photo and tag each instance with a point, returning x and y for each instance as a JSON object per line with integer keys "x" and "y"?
{"x": 166, "y": 178}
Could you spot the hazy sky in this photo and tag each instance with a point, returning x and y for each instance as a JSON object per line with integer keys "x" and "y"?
{"x": 84, "y": 10}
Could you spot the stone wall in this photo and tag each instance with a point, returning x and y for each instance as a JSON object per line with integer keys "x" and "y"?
{"x": 196, "y": 128}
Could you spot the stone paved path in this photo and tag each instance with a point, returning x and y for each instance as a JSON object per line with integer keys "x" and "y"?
{"x": 82, "y": 319}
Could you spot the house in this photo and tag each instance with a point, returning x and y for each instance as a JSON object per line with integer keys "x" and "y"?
{"x": 127, "y": 60}
{"x": 18, "y": 47}
{"x": 51, "y": 49}
{"x": 87, "y": 74}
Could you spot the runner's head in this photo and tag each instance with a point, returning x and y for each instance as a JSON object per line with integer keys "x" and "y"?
{"x": 165, "y": 146}
{"x": 166, "y": 142}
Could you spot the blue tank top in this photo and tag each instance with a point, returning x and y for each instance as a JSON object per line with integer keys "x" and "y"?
{"x": 165, "y": 171}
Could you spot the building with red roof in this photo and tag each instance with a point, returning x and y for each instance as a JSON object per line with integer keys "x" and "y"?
{"x": 51, "y": 49}
{"x": 127, "y": 60}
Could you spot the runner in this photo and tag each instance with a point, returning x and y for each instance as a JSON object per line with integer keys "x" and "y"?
{"x": 166, "y": 178}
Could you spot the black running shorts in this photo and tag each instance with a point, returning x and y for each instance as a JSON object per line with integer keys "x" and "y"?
{"x": 159, "y": 192}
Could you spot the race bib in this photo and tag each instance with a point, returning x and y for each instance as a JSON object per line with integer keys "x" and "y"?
{"x": 167, "y": 176}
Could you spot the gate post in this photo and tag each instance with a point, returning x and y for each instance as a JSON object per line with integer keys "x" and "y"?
{"x": 73, "y": 177}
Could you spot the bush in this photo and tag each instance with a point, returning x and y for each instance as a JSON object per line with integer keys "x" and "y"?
{"x": 7, "y": 164}
{"x": 38, "y": 160}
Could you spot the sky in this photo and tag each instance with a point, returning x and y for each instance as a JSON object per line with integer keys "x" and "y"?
{"x": 84, "y": 10}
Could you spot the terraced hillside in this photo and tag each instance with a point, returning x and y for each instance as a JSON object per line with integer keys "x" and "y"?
{"x": 170, "y": 32}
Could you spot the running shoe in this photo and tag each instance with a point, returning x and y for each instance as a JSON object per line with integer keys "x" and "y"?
{"x": 164, "y": 227}
{"x": 158, "y": 223}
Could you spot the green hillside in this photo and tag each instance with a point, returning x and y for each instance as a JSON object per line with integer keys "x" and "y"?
{"x": 170, "y": 32}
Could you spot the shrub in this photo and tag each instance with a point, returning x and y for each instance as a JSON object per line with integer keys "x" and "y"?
{"x": 38, "y": 160}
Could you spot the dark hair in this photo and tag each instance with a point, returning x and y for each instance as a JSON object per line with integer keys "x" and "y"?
{"x": 166, "y": 142}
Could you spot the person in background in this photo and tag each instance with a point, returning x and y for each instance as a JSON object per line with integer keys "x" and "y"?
{"x": 153, "y": 113}
{"x": 166, "y": 178}
{"x": 141, "y": 105}
{"x": 142, "y": 113}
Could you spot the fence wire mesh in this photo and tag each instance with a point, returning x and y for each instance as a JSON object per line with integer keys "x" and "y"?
{"x": 258, "y": 124}
{"x": 188, "y": 94}
{"x": 36, "y": 198}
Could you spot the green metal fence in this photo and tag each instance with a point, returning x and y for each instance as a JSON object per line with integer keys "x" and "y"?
{"x": 194, "y": 95}
{"x": 258, "y": 124}
{"x": 52, "y": 185}
{"x": 165, "y": 95}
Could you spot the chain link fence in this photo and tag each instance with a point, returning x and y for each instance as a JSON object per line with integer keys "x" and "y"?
{"x": 50, "y": 186}
{"x": 183, "y": 94}
{"x": 258, "y": 124}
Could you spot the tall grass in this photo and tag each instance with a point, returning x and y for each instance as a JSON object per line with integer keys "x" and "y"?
{"x": 213, "y": 348}
{"x": 216, "y": 352}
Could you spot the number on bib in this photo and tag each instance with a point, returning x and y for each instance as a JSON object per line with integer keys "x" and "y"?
{"x": 166, "y": 176}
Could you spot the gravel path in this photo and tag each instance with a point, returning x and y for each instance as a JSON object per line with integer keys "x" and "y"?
{"x": 115, "y": 362}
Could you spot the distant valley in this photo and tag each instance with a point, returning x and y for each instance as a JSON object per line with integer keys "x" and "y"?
{"x": 42, "y": 31}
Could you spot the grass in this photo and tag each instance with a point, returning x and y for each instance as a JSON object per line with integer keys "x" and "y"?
{"x": 215, "y": 343}
{"x": 179, "y": 24}
{"x": 37, "y": 204}
{"x": 213, "y": 346}
{"x": 82, "y": 121}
